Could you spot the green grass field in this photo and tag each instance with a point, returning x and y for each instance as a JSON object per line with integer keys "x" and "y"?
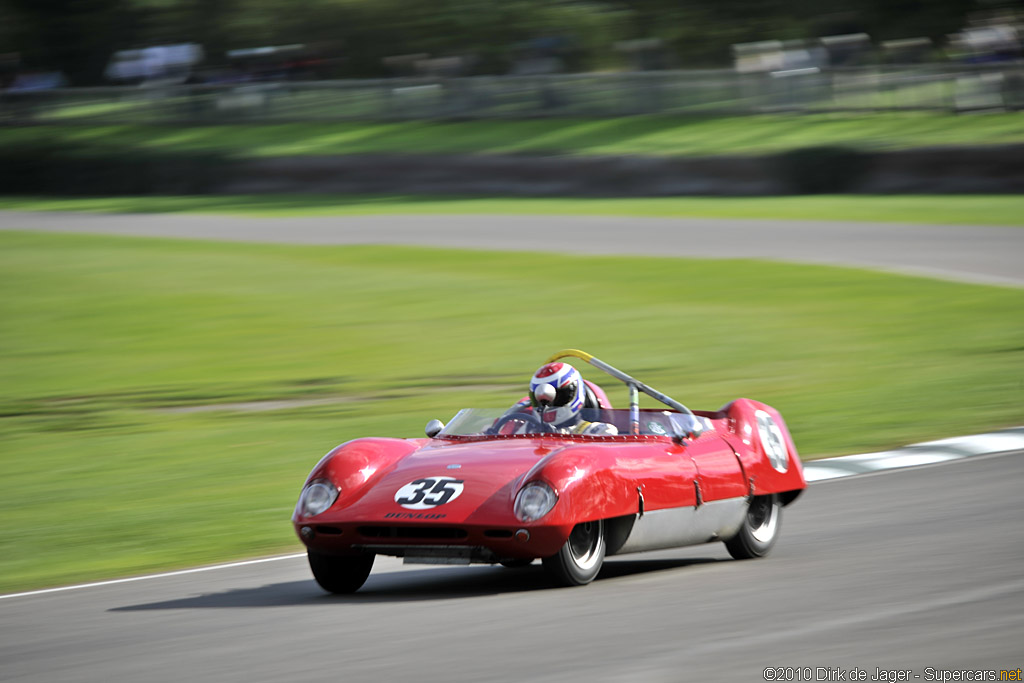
{"x": 641, "y": 135}
{"x": 123, "y": 362}
{"x": 946, "y": 209}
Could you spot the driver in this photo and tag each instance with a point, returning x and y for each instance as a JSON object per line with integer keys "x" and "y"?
{"x": 560, "y": 409}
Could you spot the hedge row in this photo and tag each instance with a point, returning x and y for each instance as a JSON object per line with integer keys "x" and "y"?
{"x": 43, "y": 169}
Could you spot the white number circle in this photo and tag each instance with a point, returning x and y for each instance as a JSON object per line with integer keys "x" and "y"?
{"x": 772, "y": 440}
{"x": 429, "y": 492}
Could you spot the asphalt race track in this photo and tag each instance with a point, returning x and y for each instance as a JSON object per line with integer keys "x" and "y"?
{"x": 989, "y": 255}
{"x": 915, "y": 570}
{"x": 905, "y": 570}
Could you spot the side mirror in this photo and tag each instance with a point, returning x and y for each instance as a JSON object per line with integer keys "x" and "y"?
{"x": 686, "y": 427}
{"x": 433, "y": 428}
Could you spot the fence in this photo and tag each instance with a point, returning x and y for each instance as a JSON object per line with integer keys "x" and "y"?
{"x": 954, "y": 88}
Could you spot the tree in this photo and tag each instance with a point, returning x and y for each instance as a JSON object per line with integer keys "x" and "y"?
{"x": 76, "y": 37}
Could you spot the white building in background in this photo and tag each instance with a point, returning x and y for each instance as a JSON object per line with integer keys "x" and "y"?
{"x": 155, "y": 64}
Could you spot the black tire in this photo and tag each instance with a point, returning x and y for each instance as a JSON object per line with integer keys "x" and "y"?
{"x": 580, "y": 559}
{"x": 760, "y": 530}
{"x": 340, "y": 574}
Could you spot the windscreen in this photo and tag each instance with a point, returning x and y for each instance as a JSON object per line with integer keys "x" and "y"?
{"x": 484, "y": 421}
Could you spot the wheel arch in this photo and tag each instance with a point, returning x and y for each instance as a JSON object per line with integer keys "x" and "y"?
{"x": 588, "y": 486}
{"x": 355, "y": 465}
{"x": 745, "y": 438}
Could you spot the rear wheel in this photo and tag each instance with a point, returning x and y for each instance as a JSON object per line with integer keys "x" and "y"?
{"x": 760, "y": 528}
{"x": 340, "y": 574}
{"x": 580, "y": 559}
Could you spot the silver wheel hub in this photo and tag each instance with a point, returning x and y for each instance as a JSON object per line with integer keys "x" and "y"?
{"x": 585, "y": 544}
{"x": 763, "y": 518}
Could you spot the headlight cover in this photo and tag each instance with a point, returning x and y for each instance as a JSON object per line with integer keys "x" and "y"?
{"x": 534, "y": 501}
{"x": 319, "y": 495}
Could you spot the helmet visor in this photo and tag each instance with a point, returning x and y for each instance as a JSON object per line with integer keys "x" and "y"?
{"x": 564, "y": 395}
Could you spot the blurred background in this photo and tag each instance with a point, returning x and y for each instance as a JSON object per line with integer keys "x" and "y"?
{"x": 189, "y": 386}
{"x": 518, "y": 58}
{"x": 561, "y": 72}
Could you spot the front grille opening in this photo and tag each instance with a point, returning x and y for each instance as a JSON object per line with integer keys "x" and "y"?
{"x": 498, "y": 533}
{"x": 411, "y": 532}
{"x": 331, "y": 530}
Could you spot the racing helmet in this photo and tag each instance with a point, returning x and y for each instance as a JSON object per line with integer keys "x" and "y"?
{"x": 569, "y": 393}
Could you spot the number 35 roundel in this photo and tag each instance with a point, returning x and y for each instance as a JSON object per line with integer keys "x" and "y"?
{"x": 428, "y": 492}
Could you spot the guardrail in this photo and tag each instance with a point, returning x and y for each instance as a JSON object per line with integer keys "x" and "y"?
{"x": 945, "y": 87}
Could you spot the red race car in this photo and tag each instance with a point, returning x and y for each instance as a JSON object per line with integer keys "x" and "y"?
{"x": 560, "y": 476}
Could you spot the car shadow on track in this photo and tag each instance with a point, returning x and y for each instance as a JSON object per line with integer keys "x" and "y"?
{"x": 411, "y": 585}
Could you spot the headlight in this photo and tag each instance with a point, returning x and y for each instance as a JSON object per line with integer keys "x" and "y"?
{"x": 317, "y": 497}
{"x": 534, "y": 501}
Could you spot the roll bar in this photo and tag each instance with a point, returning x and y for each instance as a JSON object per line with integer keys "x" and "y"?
{"x": 635, "y": 386}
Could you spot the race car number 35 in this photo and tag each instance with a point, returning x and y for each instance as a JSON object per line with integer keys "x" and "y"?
{"x": 429, "y": 492}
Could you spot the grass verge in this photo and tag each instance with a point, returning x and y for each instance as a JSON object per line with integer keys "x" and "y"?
{"x": 123, "y": 363}
{"x": 640, "y": 135}
{"x": 928, "y": 209}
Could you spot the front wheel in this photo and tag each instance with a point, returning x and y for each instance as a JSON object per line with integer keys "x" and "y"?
{"x": 580, "y": 559}
{"x": 340, "y": 574}
{"x": 760, "y": 528}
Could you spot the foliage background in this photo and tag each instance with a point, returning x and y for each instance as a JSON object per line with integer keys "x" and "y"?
{"x": 78, "y": 36}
